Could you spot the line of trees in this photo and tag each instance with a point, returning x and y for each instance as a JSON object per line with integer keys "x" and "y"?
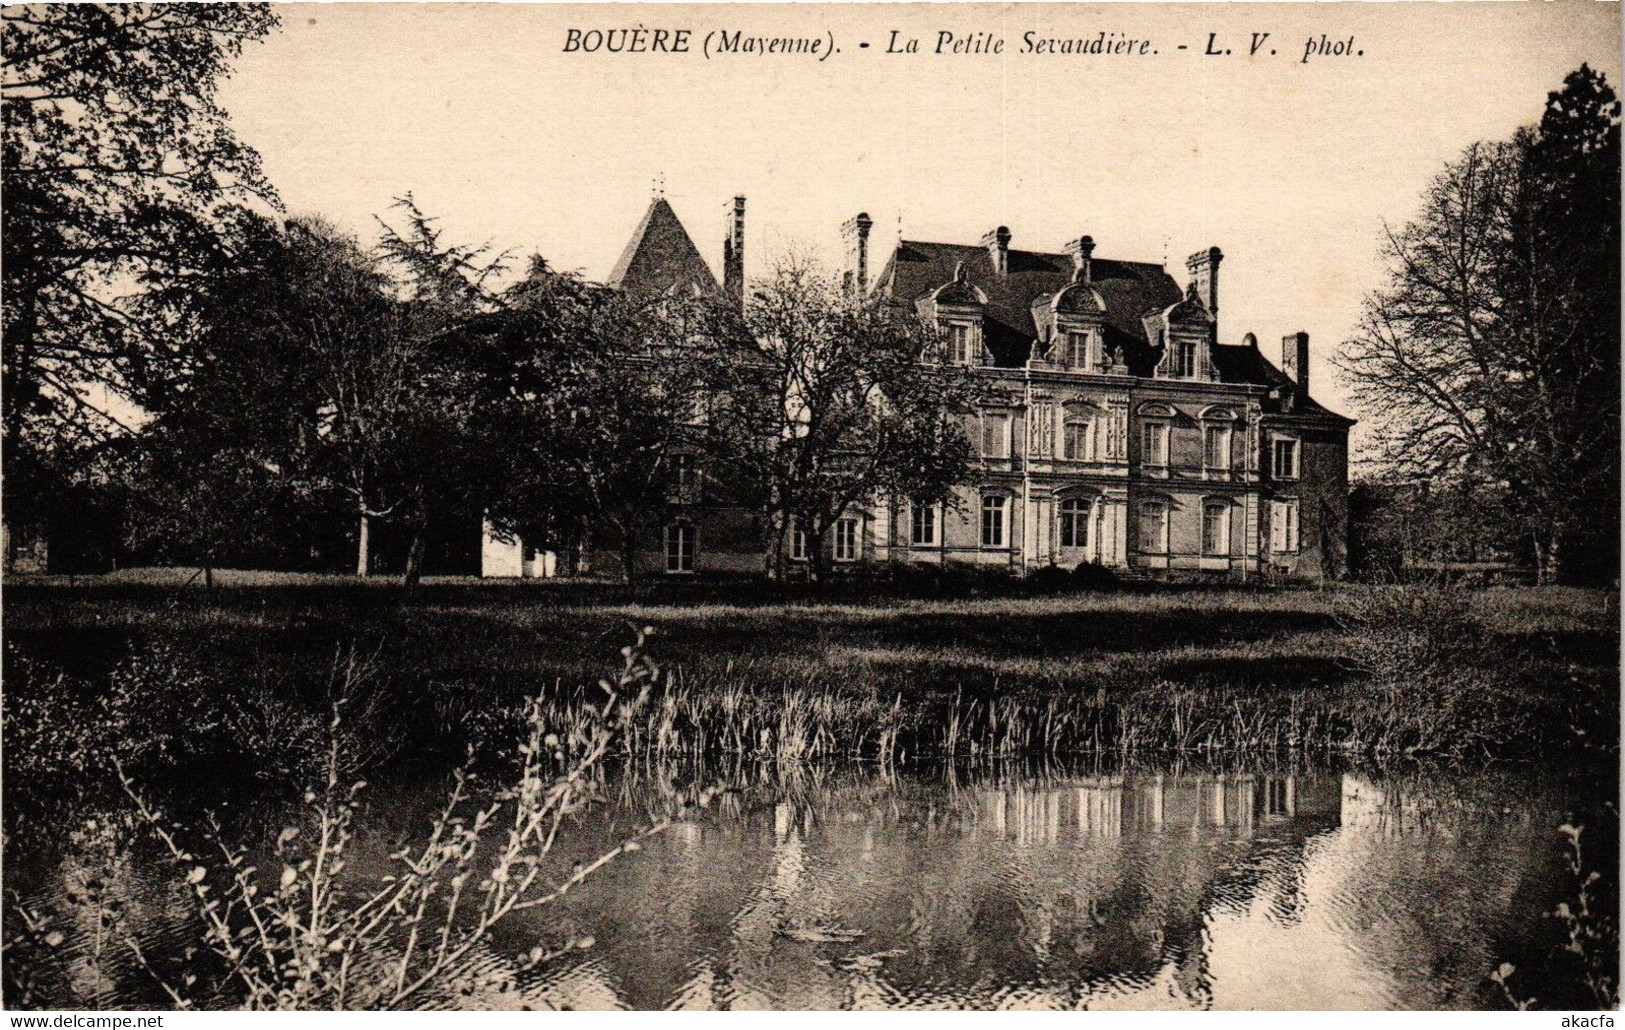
{"x": 236, "y": 378}
{"x": 1488, "y": 368}
{"x": 396, "y": 384}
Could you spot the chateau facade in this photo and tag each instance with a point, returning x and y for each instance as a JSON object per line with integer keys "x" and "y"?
{"x": 1117, "y": 429}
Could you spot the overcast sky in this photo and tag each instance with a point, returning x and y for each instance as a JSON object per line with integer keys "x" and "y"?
{"x": 1291, "y": 168}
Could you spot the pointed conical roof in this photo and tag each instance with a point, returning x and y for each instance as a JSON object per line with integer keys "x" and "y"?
{"x": 660, "y": 256}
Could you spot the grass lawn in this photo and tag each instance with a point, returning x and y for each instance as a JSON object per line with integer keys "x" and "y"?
{"x": 1421, "y": 672}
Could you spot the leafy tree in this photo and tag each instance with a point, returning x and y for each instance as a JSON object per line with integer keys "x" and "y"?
{"x": 438, "y": 458}
{"x": 597, "y": 397}
{"x": 120, "y": 176}
{"x": 840, "y": 407}
{"x": 1491, "y": 359}
{"x": 344, "y": 367}
{"x": 1563, "y": 289}
{"x": 198, "y": 501}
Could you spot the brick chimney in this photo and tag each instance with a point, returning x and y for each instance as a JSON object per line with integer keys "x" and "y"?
{"x": 855, "y": 234}
{"x": 1204, "y": 268}
{"x": 1082, "y": 266}
{"x": 997, "y": 243}
{"x": 1295, "y": 360}
{"x": 733, "y": 254}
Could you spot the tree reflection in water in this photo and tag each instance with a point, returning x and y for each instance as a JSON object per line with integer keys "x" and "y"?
{"x": 1018, "y": 888}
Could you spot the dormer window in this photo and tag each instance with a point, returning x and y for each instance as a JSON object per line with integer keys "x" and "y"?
{"x": 1077, "y": 349}
{"x": 1185, "y": 359}
{"x": 959, "y": 344}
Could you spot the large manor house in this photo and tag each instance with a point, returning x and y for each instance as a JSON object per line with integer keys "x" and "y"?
{"x": 1117, "y": 430}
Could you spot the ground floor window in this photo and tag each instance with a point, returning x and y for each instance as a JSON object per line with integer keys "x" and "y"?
{"x": 846, "y": 540}
{"x": 1074, "y": 522}
{"x": 993, "y": 520}
{"x": 1284, "y": 526}
{"x": 923, "y": 526}
{"x": 1153, "y": 527}
{"x": 798, "y": 544}
{"x": 1216, "y": 528}
{"x": 680, "y": 545}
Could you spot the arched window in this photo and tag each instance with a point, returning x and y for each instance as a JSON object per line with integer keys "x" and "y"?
{"x": 1216, "y": 527}
{"x": 1156, "y": 424}
{"x": 1154, "y": 527}
{"x": 1075, "y": 522}
{"x": 994, "y": 529}
{"x": 1216, "y": 438}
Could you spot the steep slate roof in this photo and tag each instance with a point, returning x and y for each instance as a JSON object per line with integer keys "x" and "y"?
{"x": 1129, "y": 288}
{"x": 661, "y": 256}
{"x": 1240, "y": 363}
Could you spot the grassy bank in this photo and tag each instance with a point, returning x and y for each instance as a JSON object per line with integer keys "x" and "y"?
{"x": 241, "y": 677}
{"x": 203, "y": 698}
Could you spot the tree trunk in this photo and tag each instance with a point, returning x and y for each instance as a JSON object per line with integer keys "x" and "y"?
{"x": 414, "y": 555}
{"x": 208, "y": 574}
{"x": 1549, "y": 561}
{"x": 363, "y": 550}
{"x": 775, "y": 555}
{"x": 815, "y": 558}
{"x": 584, "y": 551}
{"x": 629, "y": 556}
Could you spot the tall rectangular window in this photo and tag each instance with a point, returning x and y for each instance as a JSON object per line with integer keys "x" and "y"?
{"x": 1153, "y": 527}
{"x": 1077, "y": 350}
{"x": 1216, "y": 448}
{"x": 1076, "y": 439}
{"x": 1155, "y": 444}
{"x": 993, "y": 529}
{"x": 923, "y": 526}
{"x": 995, "y": 436}
{"x": 798, "y": 544}
{"x": 1286, "y": 459}
{"x": 1216, "y": 528}
{"x": 1284, "y": 526}
{"x": 846, "y": 539}
{"x": 959, "y": 341}
{"x": 1185, "y": 359}
{"x": 680, "y": 541}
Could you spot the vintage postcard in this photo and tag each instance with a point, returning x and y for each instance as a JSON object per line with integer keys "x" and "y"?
{"x": 816, "y": 507}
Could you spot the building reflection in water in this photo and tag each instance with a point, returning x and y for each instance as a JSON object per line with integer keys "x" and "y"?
{"x": 1137, "y": 890}
{"x": 1095, "y": 891}
{"x": 1105, "y": 806}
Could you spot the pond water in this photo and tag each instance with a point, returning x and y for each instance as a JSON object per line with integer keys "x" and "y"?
{"x": 1167, "y": 888}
